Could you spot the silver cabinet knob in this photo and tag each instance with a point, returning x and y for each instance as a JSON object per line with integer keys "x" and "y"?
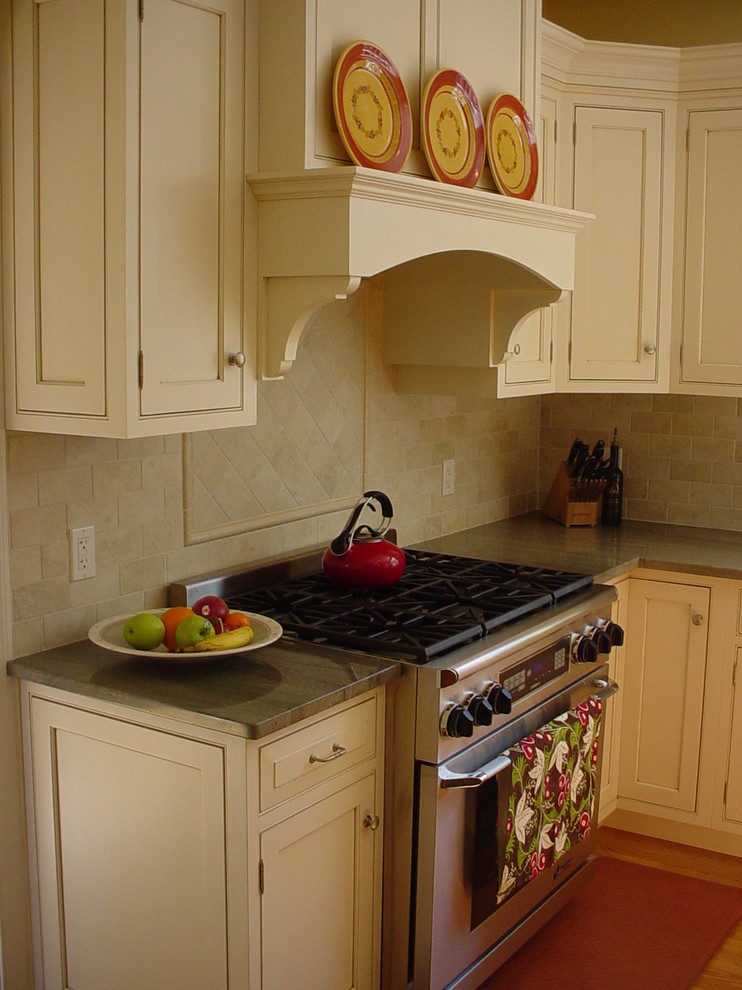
{"x": 237, "y": 360}
{"x": 371, "y": 822}
{"x": 697, "y": 619}
{"x": 650, "y": 349}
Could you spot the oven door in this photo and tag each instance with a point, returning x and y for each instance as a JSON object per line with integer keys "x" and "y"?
{"x": 505, "y": 832}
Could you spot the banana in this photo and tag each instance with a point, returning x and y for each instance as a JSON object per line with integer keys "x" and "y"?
{"x": 232, "y": 640}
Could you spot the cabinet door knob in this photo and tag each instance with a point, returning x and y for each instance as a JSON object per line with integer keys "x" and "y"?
{"x": 237, "y": 360}
{"x": 650, "y": 349}
{"x": 371, "y": 822}
{"x": 697, "y": 619}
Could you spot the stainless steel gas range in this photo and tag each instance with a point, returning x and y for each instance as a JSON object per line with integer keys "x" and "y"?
{"x": 494, "y": 742}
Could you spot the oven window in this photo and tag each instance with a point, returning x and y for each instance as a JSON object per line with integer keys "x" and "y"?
{"x": 533, "y": 813}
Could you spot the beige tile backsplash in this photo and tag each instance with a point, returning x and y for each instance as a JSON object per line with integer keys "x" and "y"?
{"x": 682, "y": 458}
{"x": 682, "y": 454}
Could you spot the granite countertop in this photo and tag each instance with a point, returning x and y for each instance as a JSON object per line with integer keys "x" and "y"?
{"x": 251, "y": 694}
{"x": 606, "y": 552}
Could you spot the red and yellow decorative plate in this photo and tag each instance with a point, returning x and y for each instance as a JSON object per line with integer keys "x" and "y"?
{"x": 511, "y": 147}
{"x": 371, "y": 107}
{"x": 452, "y": 129}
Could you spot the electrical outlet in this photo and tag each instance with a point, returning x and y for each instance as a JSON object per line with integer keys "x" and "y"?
{"x": 82, "y": 553}
{"x": 448, "y": 475}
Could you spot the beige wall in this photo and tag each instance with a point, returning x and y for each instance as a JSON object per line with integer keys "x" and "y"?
{"x": 682, "y": 454}
{"x": 132, "y": 492}
{"x": 675, "y": 23}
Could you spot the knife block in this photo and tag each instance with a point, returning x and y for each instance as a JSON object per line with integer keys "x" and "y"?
{"x": 565, "y": 505}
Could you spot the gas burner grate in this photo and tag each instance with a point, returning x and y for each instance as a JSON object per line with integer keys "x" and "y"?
{"x": 441, "y": 602}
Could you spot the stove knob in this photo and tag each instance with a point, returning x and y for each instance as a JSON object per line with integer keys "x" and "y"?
{"x": 582, "y": 649}
{"x": 601, "y": 639}
{"x": 480, "y": 709}
{"x": 499, "y": 697}
{"x": 613, "y": 630}
{"x": 457, "y": 722}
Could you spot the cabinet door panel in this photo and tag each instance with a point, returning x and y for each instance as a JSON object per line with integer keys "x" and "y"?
{"x": 532, "y": 364}
{"x": 615, "y": 308}
{"x": 191, "y": 205}
{"x": 665, "y": 670}
{"x": 60, "y": 273}
{"x": 733, "y": 799}
{"x": 131, "y": 854}
{"x": 712, "y": 352}
{"x": 318, "y": 869}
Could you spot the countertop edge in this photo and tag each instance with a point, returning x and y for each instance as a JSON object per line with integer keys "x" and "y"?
{"x": 23, "y": 671}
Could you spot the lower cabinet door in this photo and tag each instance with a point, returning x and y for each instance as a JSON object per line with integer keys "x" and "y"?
{"x": 663, "y": 697}
{"x": 129, "y": 835}
{"x": 318, "y": 915}
{"x": 733, "y": 789}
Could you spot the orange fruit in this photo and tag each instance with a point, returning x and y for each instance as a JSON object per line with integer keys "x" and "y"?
{"x": 235, "y": 620}
{"x": 171, "y": 619}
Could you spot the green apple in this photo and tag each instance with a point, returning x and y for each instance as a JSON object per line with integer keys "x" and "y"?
{"x": 192, "y": 630}
{"x": 144, "y": 631}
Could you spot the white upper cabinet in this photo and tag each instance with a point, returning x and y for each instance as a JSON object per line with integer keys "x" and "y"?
{"x": 125, "y": 247}
{"x": 618, "y": 166}
{"x": 712, "y": 301}
{"x": 651, "y": 143}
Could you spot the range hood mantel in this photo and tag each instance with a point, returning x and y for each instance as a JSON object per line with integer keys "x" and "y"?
{"x": 324, "y": 230}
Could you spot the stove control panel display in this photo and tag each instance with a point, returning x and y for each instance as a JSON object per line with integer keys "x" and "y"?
{"x": 537, "y": 670}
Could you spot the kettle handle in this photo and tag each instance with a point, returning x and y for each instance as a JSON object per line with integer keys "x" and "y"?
{"x": 344, "y": 540}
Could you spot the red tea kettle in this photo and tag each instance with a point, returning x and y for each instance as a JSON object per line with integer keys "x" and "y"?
{"x": 358, "y": 557}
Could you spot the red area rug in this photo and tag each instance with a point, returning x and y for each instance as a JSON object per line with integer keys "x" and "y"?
{"x": 630, "y": 927}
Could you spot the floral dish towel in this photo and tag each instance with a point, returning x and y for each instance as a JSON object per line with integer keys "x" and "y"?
{"x": 549, "y": 794}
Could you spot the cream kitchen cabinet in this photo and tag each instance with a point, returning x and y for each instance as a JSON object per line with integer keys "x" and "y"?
{"x": 613, "y": 710}
{"x": 320, "y": 852}
{"x": 728, "y": 791}
{"x": 618, "y": 334}
{"x": 317, "y": 876}
{"x": 137, "y": 846}
{"x": 170, "y": 856}
{"x": 127, "y": 237}
{"x": 665, "y": 677}
{"x": 529, "y": 368}
{"x": 710, "y": 358}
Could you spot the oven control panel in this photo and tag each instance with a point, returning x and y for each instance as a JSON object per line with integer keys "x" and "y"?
{"x": 537, "y": 670}
{"x": 460, "y": 717}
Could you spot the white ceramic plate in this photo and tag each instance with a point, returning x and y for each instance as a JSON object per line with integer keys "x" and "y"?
{"x": 109, "y": 633}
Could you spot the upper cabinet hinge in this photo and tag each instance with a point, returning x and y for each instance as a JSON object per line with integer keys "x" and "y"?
{"x": 140, "y": 368}
{"x": 734, "y": 674}
{"x": 555, "y": 130}
{"x": 574, "y": 134}
{"x": 687, "y": 139}
{"x": 261, "y": 877}
{"x": 141, "y": 10}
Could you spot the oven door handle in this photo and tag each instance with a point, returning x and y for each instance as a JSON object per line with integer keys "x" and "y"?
{"x": 449, "y": 778}
{"x": 606, "y": 687}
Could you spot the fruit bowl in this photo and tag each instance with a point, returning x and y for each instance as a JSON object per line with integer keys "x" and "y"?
{"x": 109, "y": 633}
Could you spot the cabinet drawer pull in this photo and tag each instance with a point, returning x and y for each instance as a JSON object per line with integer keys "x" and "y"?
{"x": 337, "y": 750}
{"x": 236, "y": 360}
{"x": 697, "y": 619}
{"x": 372, "y": 823}
{"x": 650, "y": 349}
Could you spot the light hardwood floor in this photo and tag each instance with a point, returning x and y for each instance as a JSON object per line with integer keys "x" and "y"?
{"x": 724, "y": 971}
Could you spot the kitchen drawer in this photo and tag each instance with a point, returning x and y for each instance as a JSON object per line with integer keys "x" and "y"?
{"x": 303, "y": 759}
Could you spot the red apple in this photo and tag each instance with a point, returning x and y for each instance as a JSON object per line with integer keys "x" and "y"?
{"x": 214, "y": 609}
